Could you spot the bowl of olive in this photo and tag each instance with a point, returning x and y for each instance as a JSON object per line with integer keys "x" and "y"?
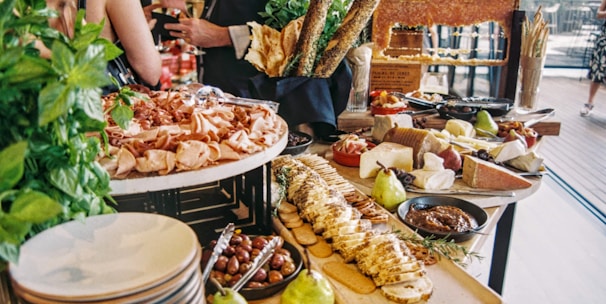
{"x": 282, "y": 267}
{"x": 463, "y": 112}
{"x": 297, "y": 142}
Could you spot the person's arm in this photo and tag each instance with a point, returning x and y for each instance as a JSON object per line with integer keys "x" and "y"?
{"x": 130, "y": 25}
{"x": 602, "y": 11}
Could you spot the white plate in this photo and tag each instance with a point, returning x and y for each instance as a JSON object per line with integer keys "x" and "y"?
{"x": 104, "y": 256}
{"x": 203, "y": 175}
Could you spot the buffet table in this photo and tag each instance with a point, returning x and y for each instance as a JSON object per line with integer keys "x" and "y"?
{"x": 451, "y": 280}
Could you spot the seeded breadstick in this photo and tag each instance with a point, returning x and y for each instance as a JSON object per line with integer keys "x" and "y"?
{"x": 354, "y": 22}
{"x": 313, "y": 25}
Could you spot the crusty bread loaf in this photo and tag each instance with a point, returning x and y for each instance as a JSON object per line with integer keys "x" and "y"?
{"x": 419, "y": 140}
{"x": 478, "y": 173}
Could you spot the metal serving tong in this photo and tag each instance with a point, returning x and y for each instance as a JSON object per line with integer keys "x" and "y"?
{"x": 199, "y": 94}
{"x": 222, "y": 243}
{"x": 260, "y": 260}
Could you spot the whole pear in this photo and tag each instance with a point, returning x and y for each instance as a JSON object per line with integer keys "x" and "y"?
{"x": 230, "y": 297}
{"x": 388, "y": 191}
{"x": 485, "y": 123}
{"x": 308, "y": 287}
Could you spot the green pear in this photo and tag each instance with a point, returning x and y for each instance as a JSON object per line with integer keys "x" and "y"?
{"x": 308, "y": 287}
{"x": 230, "y": 297}
{"x": 388, "y": 191}
{"x": 485, "y": 124}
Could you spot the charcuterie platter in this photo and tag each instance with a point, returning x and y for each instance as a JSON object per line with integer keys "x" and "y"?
{"x": 175, "y": 140}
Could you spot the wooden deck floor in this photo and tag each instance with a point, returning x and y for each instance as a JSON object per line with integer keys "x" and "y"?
{"x": 559, "y": 233}
{"x": 577, "y": 155}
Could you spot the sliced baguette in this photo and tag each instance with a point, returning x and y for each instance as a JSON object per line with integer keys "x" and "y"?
{"x": 409, "y": 292}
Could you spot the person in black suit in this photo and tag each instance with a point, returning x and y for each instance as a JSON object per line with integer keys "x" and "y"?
{"x": 224, "y": 36}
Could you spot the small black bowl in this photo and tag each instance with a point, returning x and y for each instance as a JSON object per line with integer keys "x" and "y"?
{"x": 251, "y": 294}
{"x": 456, "y": 112}
{"x": 297, "y": 142}
{"x": 424, "y": 202}
{"x": 271, "y": 289}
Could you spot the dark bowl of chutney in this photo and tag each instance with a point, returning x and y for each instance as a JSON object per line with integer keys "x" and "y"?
{"x": 426, "y": 202}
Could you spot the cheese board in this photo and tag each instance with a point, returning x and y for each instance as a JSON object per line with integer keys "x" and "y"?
{"x": 447, "y": 279}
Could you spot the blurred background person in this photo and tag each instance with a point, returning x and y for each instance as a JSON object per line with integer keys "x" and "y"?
{"x": 126, "y": 25}
{"x": 597, "y": 64}
{"x": 223, "y": 35}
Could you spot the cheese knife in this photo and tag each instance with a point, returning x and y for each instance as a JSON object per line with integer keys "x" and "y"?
{"x": 462, "y": 191}
{"x": 222, "y": 243}
{"x": 534, "y": 121}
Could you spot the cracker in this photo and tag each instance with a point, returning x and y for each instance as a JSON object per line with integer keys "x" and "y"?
{"x": 305, "y": 235}
{"x": 289, "y": 217}
{"x": 294, "y": 224}
{"x": 321, "y": 249}
{"x": 349, "y": 276}
{"x": 286, "y": 207}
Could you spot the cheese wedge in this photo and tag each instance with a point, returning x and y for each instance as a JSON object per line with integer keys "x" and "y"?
{"x": 389, "y": 154}
{"x": 508, "y": 150}
{"x": 529, "y": 162}
{"x": 459, "y": 127}
{"x": 433, "y": 176}
{"x": 478, "y": 173}
{"x": 382, "y": 124}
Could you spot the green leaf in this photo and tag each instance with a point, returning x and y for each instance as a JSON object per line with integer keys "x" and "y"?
{"x": 10, "y": 57}
{"x": 62, "y": 57}
{"x": 34, "y": 207}
{"x": 11, "y": 165}
{"x": 89, "y": 102}
{"x": 13, "y": 230}
{"x": 54, "y": 101}
{"x": 9, "y": 252}
{"x": 28, "y": 69}
{"x": 122, "y": 115}
{"x": 89, "y": 71}
{"x": 67, "y": 180}
{"x": 6, "y": 9}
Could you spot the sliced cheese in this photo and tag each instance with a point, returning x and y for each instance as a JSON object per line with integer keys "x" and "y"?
{"x": 389, "y": 154}
{"x": 459, "y": 127}
{"x": 478, "y": 173}
{"x": 508, "y": 150}
{"x": 433, "y": 180}
{"x": 382, "y": 123}
{"x": 433, "y": 176}
{"x": 529, "y": 162}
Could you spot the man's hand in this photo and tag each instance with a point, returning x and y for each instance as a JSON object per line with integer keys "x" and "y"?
{"x": 200, "y": 32}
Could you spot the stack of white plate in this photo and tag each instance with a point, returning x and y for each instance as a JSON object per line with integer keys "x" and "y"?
{"x": 117, "y": 258}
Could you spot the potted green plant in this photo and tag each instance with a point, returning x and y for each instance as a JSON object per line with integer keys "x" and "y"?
{"x": 48, "y": 109}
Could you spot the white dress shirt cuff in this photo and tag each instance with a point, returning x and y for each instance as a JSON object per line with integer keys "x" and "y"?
{"x": 240, "y": 37}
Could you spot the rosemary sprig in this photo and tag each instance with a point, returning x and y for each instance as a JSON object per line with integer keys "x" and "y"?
{"x": 281, "y": 176}
{"x": 442, "y": 247}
